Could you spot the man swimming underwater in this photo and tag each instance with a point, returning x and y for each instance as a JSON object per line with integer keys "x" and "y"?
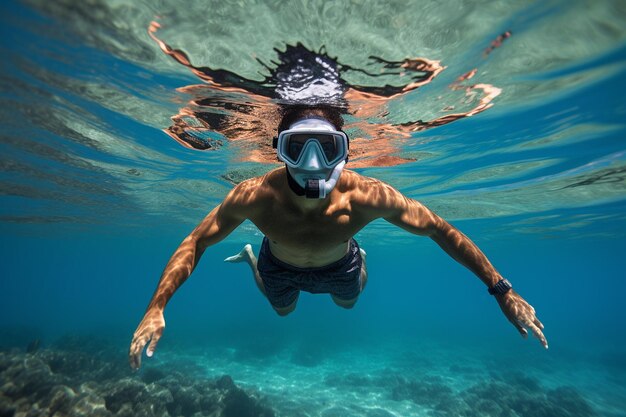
{"x": 309, "y": 212}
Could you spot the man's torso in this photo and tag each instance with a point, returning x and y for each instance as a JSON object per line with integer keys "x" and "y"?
{"x": 315, "y": 235}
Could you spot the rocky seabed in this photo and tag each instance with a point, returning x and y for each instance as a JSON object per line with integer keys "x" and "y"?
{"x": 55, "y": 383}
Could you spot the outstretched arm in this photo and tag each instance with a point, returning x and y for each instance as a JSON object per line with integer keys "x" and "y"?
{"x": 418, "y": 219}
{"x": 218, "y": 224}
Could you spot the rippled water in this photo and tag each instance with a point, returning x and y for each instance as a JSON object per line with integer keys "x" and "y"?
{"x": 506, "y": 118}
{"x": 87, "y": 94}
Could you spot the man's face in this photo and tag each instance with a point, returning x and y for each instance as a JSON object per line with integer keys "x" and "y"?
{"x": 314, "y": 153}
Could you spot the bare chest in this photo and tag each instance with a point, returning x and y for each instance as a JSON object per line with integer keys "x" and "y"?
{"x": 313, "y": 232}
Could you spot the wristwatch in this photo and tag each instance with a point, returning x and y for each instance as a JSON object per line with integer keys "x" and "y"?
{"x": 501, "y": 287}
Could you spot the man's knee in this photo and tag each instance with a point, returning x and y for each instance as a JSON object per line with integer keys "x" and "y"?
{"x": 347, "y": 304}
{"x": 285, "y": 310}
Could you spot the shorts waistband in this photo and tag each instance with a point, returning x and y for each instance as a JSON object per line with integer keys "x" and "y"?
{"x": 353, "y": 247}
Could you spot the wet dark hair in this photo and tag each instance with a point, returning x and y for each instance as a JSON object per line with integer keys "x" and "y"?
{"x": 292, "y": 114}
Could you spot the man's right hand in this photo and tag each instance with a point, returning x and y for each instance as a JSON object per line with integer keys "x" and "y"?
{"x": 149, "y": 330}
{"x": 521, "y": 315}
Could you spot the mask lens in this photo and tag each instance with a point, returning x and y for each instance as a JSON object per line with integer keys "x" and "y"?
{"x": 329, "y": 146}
{"x": 296, "y": 144}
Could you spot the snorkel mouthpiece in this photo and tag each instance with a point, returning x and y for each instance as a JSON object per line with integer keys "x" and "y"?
{"x": 312, "y": 189}
{"x": 320, "y": 188}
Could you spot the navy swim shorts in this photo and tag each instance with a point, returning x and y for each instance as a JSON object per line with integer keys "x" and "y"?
{"x": 283, "y": 282}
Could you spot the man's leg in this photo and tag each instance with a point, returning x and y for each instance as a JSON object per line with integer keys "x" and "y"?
{"x": 350, "y": 303}
{"x": 246, "y": 255}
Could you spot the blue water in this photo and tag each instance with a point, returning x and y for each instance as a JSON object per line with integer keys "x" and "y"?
{"x": 96, "y": 197}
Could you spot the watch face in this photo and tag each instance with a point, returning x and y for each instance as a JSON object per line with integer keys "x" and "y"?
{"x": 504, "y": 286}
{"x": 501, "y": 287}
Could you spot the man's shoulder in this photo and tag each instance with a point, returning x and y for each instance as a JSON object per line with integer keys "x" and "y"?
{"x": 353, "y": 181}
{"x": 254, "y": 189}
{"x": 370, "y": 193}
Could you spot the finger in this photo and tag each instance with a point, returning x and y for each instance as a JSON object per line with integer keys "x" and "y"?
{"x": 538, "y": 334}
{"x": 134, "y": 360}
{"x": 520, "y": 329}
{"x": 137, "y": 345}
{"x": 153, "y": 343}
{"x": 538, "y": 323}
{"x": 134, "y": 355}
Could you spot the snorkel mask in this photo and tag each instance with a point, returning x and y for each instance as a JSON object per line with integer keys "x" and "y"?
{"x": 315, "y": 154}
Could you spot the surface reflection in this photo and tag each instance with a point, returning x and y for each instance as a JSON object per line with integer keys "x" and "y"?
{"x": 246, "y": 112}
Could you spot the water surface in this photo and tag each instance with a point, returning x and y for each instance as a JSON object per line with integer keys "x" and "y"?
{"x": 97, "y": 192}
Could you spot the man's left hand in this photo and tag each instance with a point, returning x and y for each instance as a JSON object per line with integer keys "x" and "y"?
{"x": 522, "y": 315}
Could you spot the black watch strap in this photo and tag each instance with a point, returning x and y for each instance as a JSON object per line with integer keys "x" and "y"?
{"x": 501, "y": 287}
